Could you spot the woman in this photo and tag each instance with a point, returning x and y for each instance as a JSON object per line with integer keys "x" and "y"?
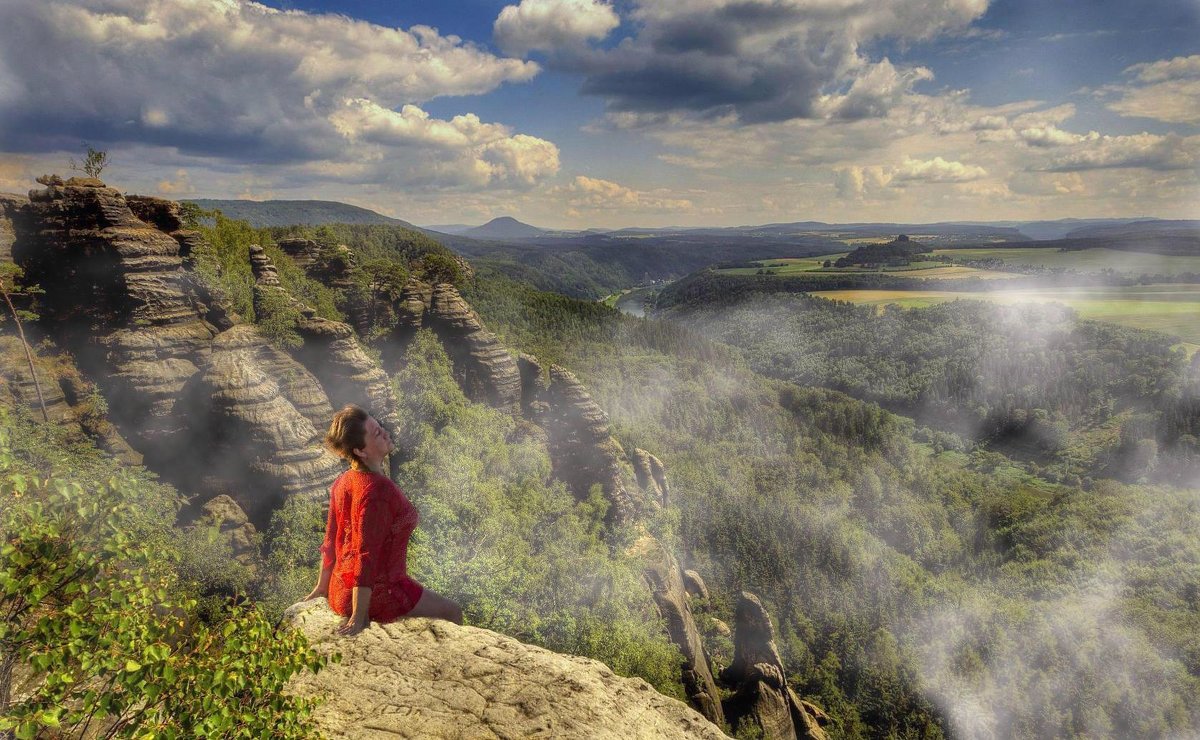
{"x": 364, "y": 568}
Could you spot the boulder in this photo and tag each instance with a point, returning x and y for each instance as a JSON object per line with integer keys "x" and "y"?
{"x": 695, "y": 584}
{"x": 425, "y": 678}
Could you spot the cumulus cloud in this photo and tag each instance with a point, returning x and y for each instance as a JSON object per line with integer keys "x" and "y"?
{"x": 936, "y": 170}
{"x": 1166, "y": 90}
{"x": 859, "y": 182}
{"x": 1071, "y": 152}
{"x": 244, "y": 82}
{"x": 594, "y": 194}
{"x": 552, "y": 24}
{"x": 410, "y": 147}
{"x": 763, "y": 60}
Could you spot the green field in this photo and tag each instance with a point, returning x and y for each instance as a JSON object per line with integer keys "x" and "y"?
{"x": 1173, "y": 309}
{"x": 1086, "y": 260}
{"x": 928, "y": 269}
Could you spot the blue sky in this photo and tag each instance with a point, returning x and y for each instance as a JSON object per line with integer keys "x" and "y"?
{"x": 578, "y": 113}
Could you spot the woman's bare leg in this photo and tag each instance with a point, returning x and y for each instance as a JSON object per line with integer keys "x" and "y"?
{"x": 433, "y": 604}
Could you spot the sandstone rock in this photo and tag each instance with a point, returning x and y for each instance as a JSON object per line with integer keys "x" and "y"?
{"x": 482, "y": 365}
{"x": 651, "y": 475}
{"x": 761, "y": 694}
{"x": 337, "y": 270}
{"x": 662, "y": 573}
{"x": 331, "y": 351}
{"x": 581, "y": 446}
{"x": 233, "y": 526}
{"x": 210, "y": 410}
{"x": 424, "y": 678}
{"x": 251, "y": 430}
{"x": 12, "y": 209}
{"x": 695, "y": 584}
{"x": 720, "y": 627}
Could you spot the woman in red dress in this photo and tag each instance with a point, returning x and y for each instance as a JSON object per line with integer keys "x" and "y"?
{"x": 364, "y": 563}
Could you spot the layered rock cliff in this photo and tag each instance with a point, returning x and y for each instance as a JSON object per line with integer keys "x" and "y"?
{"x": 211, "y": 406}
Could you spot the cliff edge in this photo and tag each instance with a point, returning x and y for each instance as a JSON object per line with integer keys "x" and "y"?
{"x": 430, "y": 678}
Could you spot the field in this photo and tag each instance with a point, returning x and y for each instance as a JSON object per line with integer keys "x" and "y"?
{"x": 1173, "y": 309}
{"x": 930, "y": 269}
{"x": 1086, "y": 260}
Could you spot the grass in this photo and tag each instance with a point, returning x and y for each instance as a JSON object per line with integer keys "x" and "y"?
{"x": 1086, "y": 260}
{"x": 1171, "y": 309}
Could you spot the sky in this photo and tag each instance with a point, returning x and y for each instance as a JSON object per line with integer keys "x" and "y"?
{"x": 586, "y": 113}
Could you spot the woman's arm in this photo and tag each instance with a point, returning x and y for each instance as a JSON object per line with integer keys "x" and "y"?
{"x": 327, "y": 554}
{"x": 360, "y": 609}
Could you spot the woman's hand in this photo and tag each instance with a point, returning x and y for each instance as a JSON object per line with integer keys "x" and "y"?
{"x": 353, "y": 625}
{"x": 317, "y": 593}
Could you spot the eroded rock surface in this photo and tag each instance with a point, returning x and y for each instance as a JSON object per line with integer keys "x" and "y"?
{"x": 762, "y": 696}
{"x": 483, "y": 366}
{"x": 424, "y": 678}
{"x": 331, "y": 351}
{"x": 662, "y": 573}
{"x": 205, "y": 400}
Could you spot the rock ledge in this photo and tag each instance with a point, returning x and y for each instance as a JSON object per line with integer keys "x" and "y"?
{"x": 430, "y": 678}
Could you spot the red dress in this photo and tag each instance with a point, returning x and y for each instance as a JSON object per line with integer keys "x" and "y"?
{"x": 366, "y": 544}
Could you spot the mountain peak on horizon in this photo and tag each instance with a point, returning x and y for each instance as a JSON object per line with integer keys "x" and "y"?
{"x": 504, "y": 227}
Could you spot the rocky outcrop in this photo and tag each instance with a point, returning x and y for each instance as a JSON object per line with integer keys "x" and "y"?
{"x": 208, "y": 404}
{"x": 330, "y": 350}
{"x": 484, "y": 368}
{"x": 651, "y": 475}
{"x": 337, "y": 269}
{"x": 12, "y": 211}
{"x": 581, "y": 445}
{"x": 695, "y": 584}
{"x": 232, "y": 526}
{"x": 662, "y": 574}
{"x": 424, "y": 678}
{"x": 257, "y": 446}
{"x": 762, "y": 696}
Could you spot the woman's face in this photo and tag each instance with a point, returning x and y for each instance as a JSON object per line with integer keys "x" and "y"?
{"x": 378, "y": 443}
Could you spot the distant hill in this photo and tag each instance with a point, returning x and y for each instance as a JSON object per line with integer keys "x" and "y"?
{"x": 1136, "y": 229}
{"x": 899, "y": 251}
{"x": 261, "y": 213}
{"x": 505, "y": 227}
{"x": 452, "y": 229}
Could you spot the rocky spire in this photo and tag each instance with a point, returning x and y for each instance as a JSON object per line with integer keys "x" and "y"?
{"x": 762, "y": 696}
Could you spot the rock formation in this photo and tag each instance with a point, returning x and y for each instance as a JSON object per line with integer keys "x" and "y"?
{"x": 424, "y": 678}
{"x": 330, "y": 350}
{"x": 197, "y": 398}
{"x": 762, "y": 696}
{"x": 233, "y": 526}
{"x": 651, "y": 474}
{"x": 581, "y": 445}
{"x": 483, "y": 366}
{"x": 336, "y": 270}
{"x": 695, "y": 584}
{"x": 12, "y": 212}
{"x": 662, "y": 573}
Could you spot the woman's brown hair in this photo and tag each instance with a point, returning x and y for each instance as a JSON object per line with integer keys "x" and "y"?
{"x": 348, "y": 433}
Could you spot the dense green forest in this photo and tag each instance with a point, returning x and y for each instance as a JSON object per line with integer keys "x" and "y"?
{"x": 1082, "y": 398}
{"x": 917, "y": 592}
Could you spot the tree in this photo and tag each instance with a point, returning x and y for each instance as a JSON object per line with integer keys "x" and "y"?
{"x": 107, "y": 640}
{"x": 94, "y": 161}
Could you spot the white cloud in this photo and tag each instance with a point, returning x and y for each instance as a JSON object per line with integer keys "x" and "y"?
{"x": 590, "y": 194}
{"x": 1166, "y": 90}
{"x": 936, "y": 170}
{"x": 552, "y": 24}
{"x": 216, "y": 77}
{"x": 874, "y": 92}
